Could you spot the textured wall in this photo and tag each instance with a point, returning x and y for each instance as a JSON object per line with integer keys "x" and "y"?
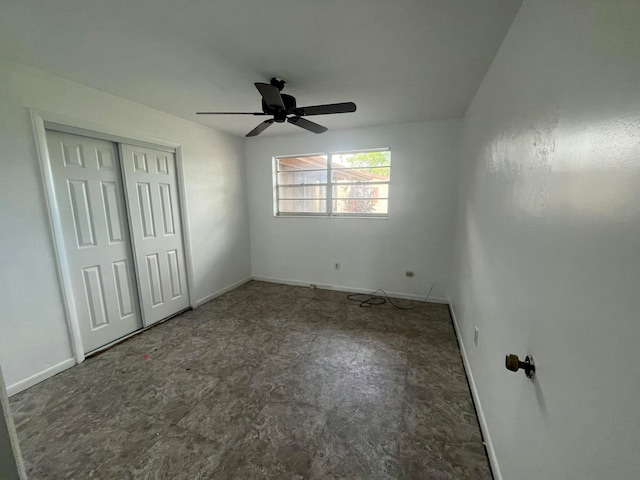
{"x": 547, "y": 258}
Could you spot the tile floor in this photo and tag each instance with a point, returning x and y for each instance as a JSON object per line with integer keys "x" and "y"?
{"x": 265, "y": 382}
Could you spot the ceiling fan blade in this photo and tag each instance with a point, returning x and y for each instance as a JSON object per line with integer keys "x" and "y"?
{"x": 260, "y": 128}
{"x": 307, "y": 125}
{"x": 231, "y": 113}
{"x": 345, "y": 107}
{"x": 271, "y": 95}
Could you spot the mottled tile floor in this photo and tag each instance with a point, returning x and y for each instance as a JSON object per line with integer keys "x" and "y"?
{"x": 267, "y": 382}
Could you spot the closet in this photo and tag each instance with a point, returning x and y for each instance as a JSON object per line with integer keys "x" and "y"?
{"x": 123, "y": 250}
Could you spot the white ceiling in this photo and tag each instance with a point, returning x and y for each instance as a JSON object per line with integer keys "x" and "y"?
{"x": 399, "y": 61}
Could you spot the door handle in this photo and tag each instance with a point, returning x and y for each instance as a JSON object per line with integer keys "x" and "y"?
{"x": 513, "y": 363}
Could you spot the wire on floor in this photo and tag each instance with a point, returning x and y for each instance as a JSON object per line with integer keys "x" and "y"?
{"x": 373, "y": 299}
{"x": 429, "y": 294}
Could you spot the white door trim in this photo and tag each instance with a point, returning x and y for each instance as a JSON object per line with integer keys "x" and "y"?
{"x": 186, "y": 227}
{"x": 103, "y": 132}
{"x": 40, "y": 120}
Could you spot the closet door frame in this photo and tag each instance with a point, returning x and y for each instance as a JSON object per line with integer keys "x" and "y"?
{"x": 43, "y": 121}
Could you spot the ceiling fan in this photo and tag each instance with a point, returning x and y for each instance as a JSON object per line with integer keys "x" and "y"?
{"x": 283, "y": 109}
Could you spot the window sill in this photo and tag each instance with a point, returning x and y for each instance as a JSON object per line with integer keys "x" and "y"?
{"x": 326, "y": 217}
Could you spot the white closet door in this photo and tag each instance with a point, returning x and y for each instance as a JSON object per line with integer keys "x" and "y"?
{"x": 152, "y": 194}
{"x": 90, "y": 199}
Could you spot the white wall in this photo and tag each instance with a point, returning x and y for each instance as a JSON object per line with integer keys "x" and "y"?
{"x": 374, "y": 253}
{"x": 33, "y": 333}
{"x": 548, "y": 259}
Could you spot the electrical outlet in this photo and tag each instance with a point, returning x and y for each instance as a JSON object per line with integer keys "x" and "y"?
{"x": 475, "y": 336}
{"x": 336, "y": 266}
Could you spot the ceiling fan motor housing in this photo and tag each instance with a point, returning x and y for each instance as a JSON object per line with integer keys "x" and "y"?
{"x": 279, "y": 114}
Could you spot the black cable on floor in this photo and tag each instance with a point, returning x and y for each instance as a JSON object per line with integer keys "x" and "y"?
{"x": 373, "y": 299}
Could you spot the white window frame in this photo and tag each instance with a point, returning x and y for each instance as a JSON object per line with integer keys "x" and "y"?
{"x": 329, "y": 187}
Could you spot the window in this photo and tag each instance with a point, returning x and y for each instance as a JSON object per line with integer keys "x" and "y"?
{"x": 334, "y": 184}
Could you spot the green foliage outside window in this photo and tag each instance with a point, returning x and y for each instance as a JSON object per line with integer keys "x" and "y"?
{"x": 371, "y": 159}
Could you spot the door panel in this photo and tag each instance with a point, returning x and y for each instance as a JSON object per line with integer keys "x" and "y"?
{"x": 152, "y": 193}
{"x": 90, "y": 200}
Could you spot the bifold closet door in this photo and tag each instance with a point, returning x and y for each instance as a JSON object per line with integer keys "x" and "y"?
{"x": 90, "y": 200}
{"x": 151, "y": 188}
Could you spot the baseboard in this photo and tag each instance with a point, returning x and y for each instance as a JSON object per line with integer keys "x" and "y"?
{"x": 341, "y": 288}
{"x": 297, "y": 283}
{"x": 208, "y": 298}
{"x": 40, "y": 376}
{"x": 404, "y": 296}
{"x": 493, "y": 460}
